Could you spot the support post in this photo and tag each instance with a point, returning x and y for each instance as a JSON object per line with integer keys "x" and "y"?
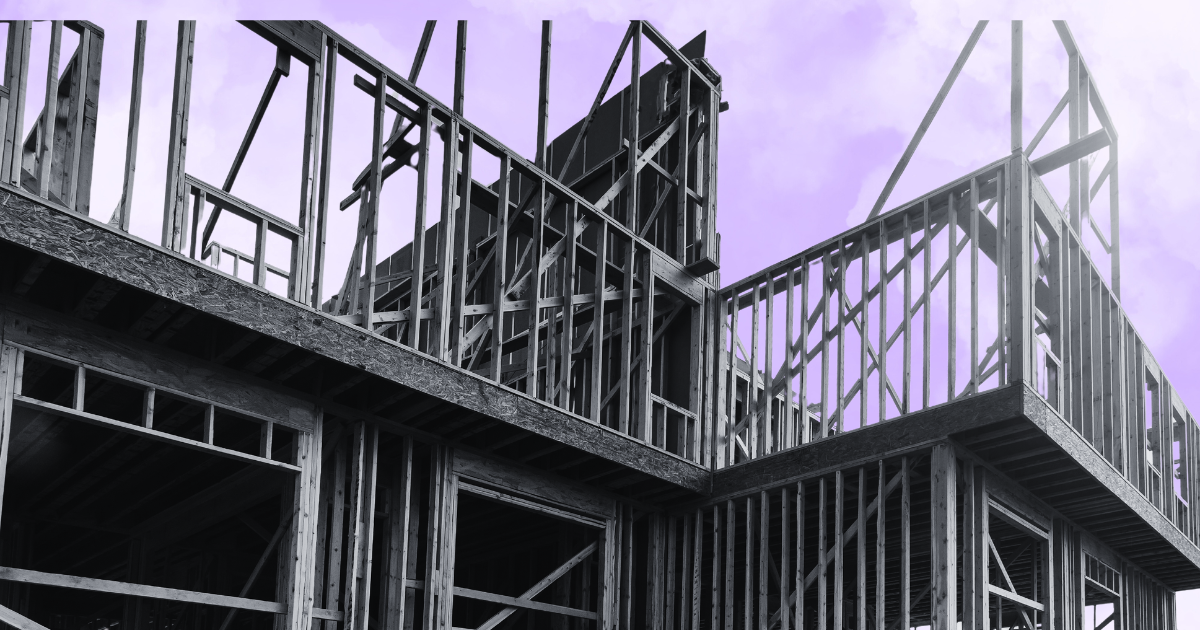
{"x": 1018, "y": 81}
{"x": 544, "y": 98}
{"x": 1019, "y": 275}
{"x": 121, "y": 218}
{"x": 943, "y": 540}
{"x": 174, "y": 208}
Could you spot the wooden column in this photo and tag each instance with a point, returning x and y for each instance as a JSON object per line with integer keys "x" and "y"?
{"x": 298, "y": 281}
{"x": 399, "y": 520}
{"x": 302, "y": 551}
{"x": 943, "y": 543}
{"x": 174, "y": 208}
{"x": 16, "y": 77}
{"x": 364, "y": 461}
{"x": 10, "y": 360}
{"x": 1019, "y": 272}
{"x": 439, "y": 541}
{"x": 1018, "y": 81}
{"x": 440, "y": 346}
{"x": 317, "y": 246}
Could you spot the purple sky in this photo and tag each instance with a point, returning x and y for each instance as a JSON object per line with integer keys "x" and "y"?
{"x": 824, "y": 97}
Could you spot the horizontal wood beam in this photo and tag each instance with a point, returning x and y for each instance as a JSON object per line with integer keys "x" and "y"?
{"x": 1063, "y": 156}
{"x": 138, "y": 590}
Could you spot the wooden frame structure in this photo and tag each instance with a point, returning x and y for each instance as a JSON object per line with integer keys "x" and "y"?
{"x": 543, "y": 410}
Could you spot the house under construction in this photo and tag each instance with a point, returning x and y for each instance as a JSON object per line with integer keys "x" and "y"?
{"x": 545, "y": 410}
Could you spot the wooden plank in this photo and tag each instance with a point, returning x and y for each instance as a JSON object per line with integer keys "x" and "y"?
{"x": 317, "y": 248}
{"x": 300, "y": 38}
{"x": 500, "y": 264}
{"x": 717, "y": 547}
{"x": 905, "y": 547}
{"x": 1019, "y": 271}
{"x": 173, "y": 208}
{"x": 49, "y": 118}
{"x": 19, "y": 621}
{"x": 298, "y": 281}
{"x": 16, "y": 77}
{"x": 422, "y": 48}
{"x": 730, "y": 577}
{"x": 823, "y": 562}
{"x": 463, "y": 246}
{"x": 598, "y": 336}
{"x": 824, "y": 305}
{"x": 839, "y": 407}
{"x": 981, "y": 536}
{"x": 880, "y": 547}
{"x": 567, "y": 338}
{"x": 333, "y": 590}
{"x": 974, "y": 227}
{"x": 1072, "y": 152}
{"x": 532, "y": 349}
{"x": 805, "y": 425}
{"x": 798, "y": 579}
{"x": 439, "y": 480}
{"x": 906, "y": 378}
{"x": 785, "y": 556}
{"x": 696, "y": 569}
{"x": 926, "y": 315}
{"x": 447, "y": 230}
{"x": 754, "y": 401}
{"x": 668, "y": 617}
{"x": 10, "y": 366}
{"x": 528, "y": 483}
{"x": 362, "y": 514}
{"x": 767, "y": 413}
{"x": 1016, "y": 109}
{"x": 969, "y": 526}
{"x": 517, "y": 602}
{"x": 883, "y": 319}
{"x": 943, "y": 523}
{"x": 864, "y": 326}
{"x": 137, "y": 590}
{"x": 749, "y": 564}
{"x": 124, "y": 206}
{"x": 929, "y": 116}
{"x": 460, "y": 66}
{"x": 623, "y": 382}
{"x": 401, "y": 502}
{"x": 370, "y": 228}
{"x": 525, "y": 599}
{"x": 282, "y": 69}
{"x": 416, "y": 294}
{"x": 543, "y": 119}
{"x": 633, "y": 134}
{"x": 764, "y": 556}
{"x": 683, "y": 238}
{"x": 587, "y": 120}
{"x": 860, "y": 572}
{"x": 300, "y": 548}
{"x": 446, "y": 554}
{"x": 788, "y": 437}
{"x": 645, "y": 378}
{"x": 731, "y": 378}
{"x": 952, "y": 292}
{"x": 260, "y": 253}
{"x": 839, "y": 554}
